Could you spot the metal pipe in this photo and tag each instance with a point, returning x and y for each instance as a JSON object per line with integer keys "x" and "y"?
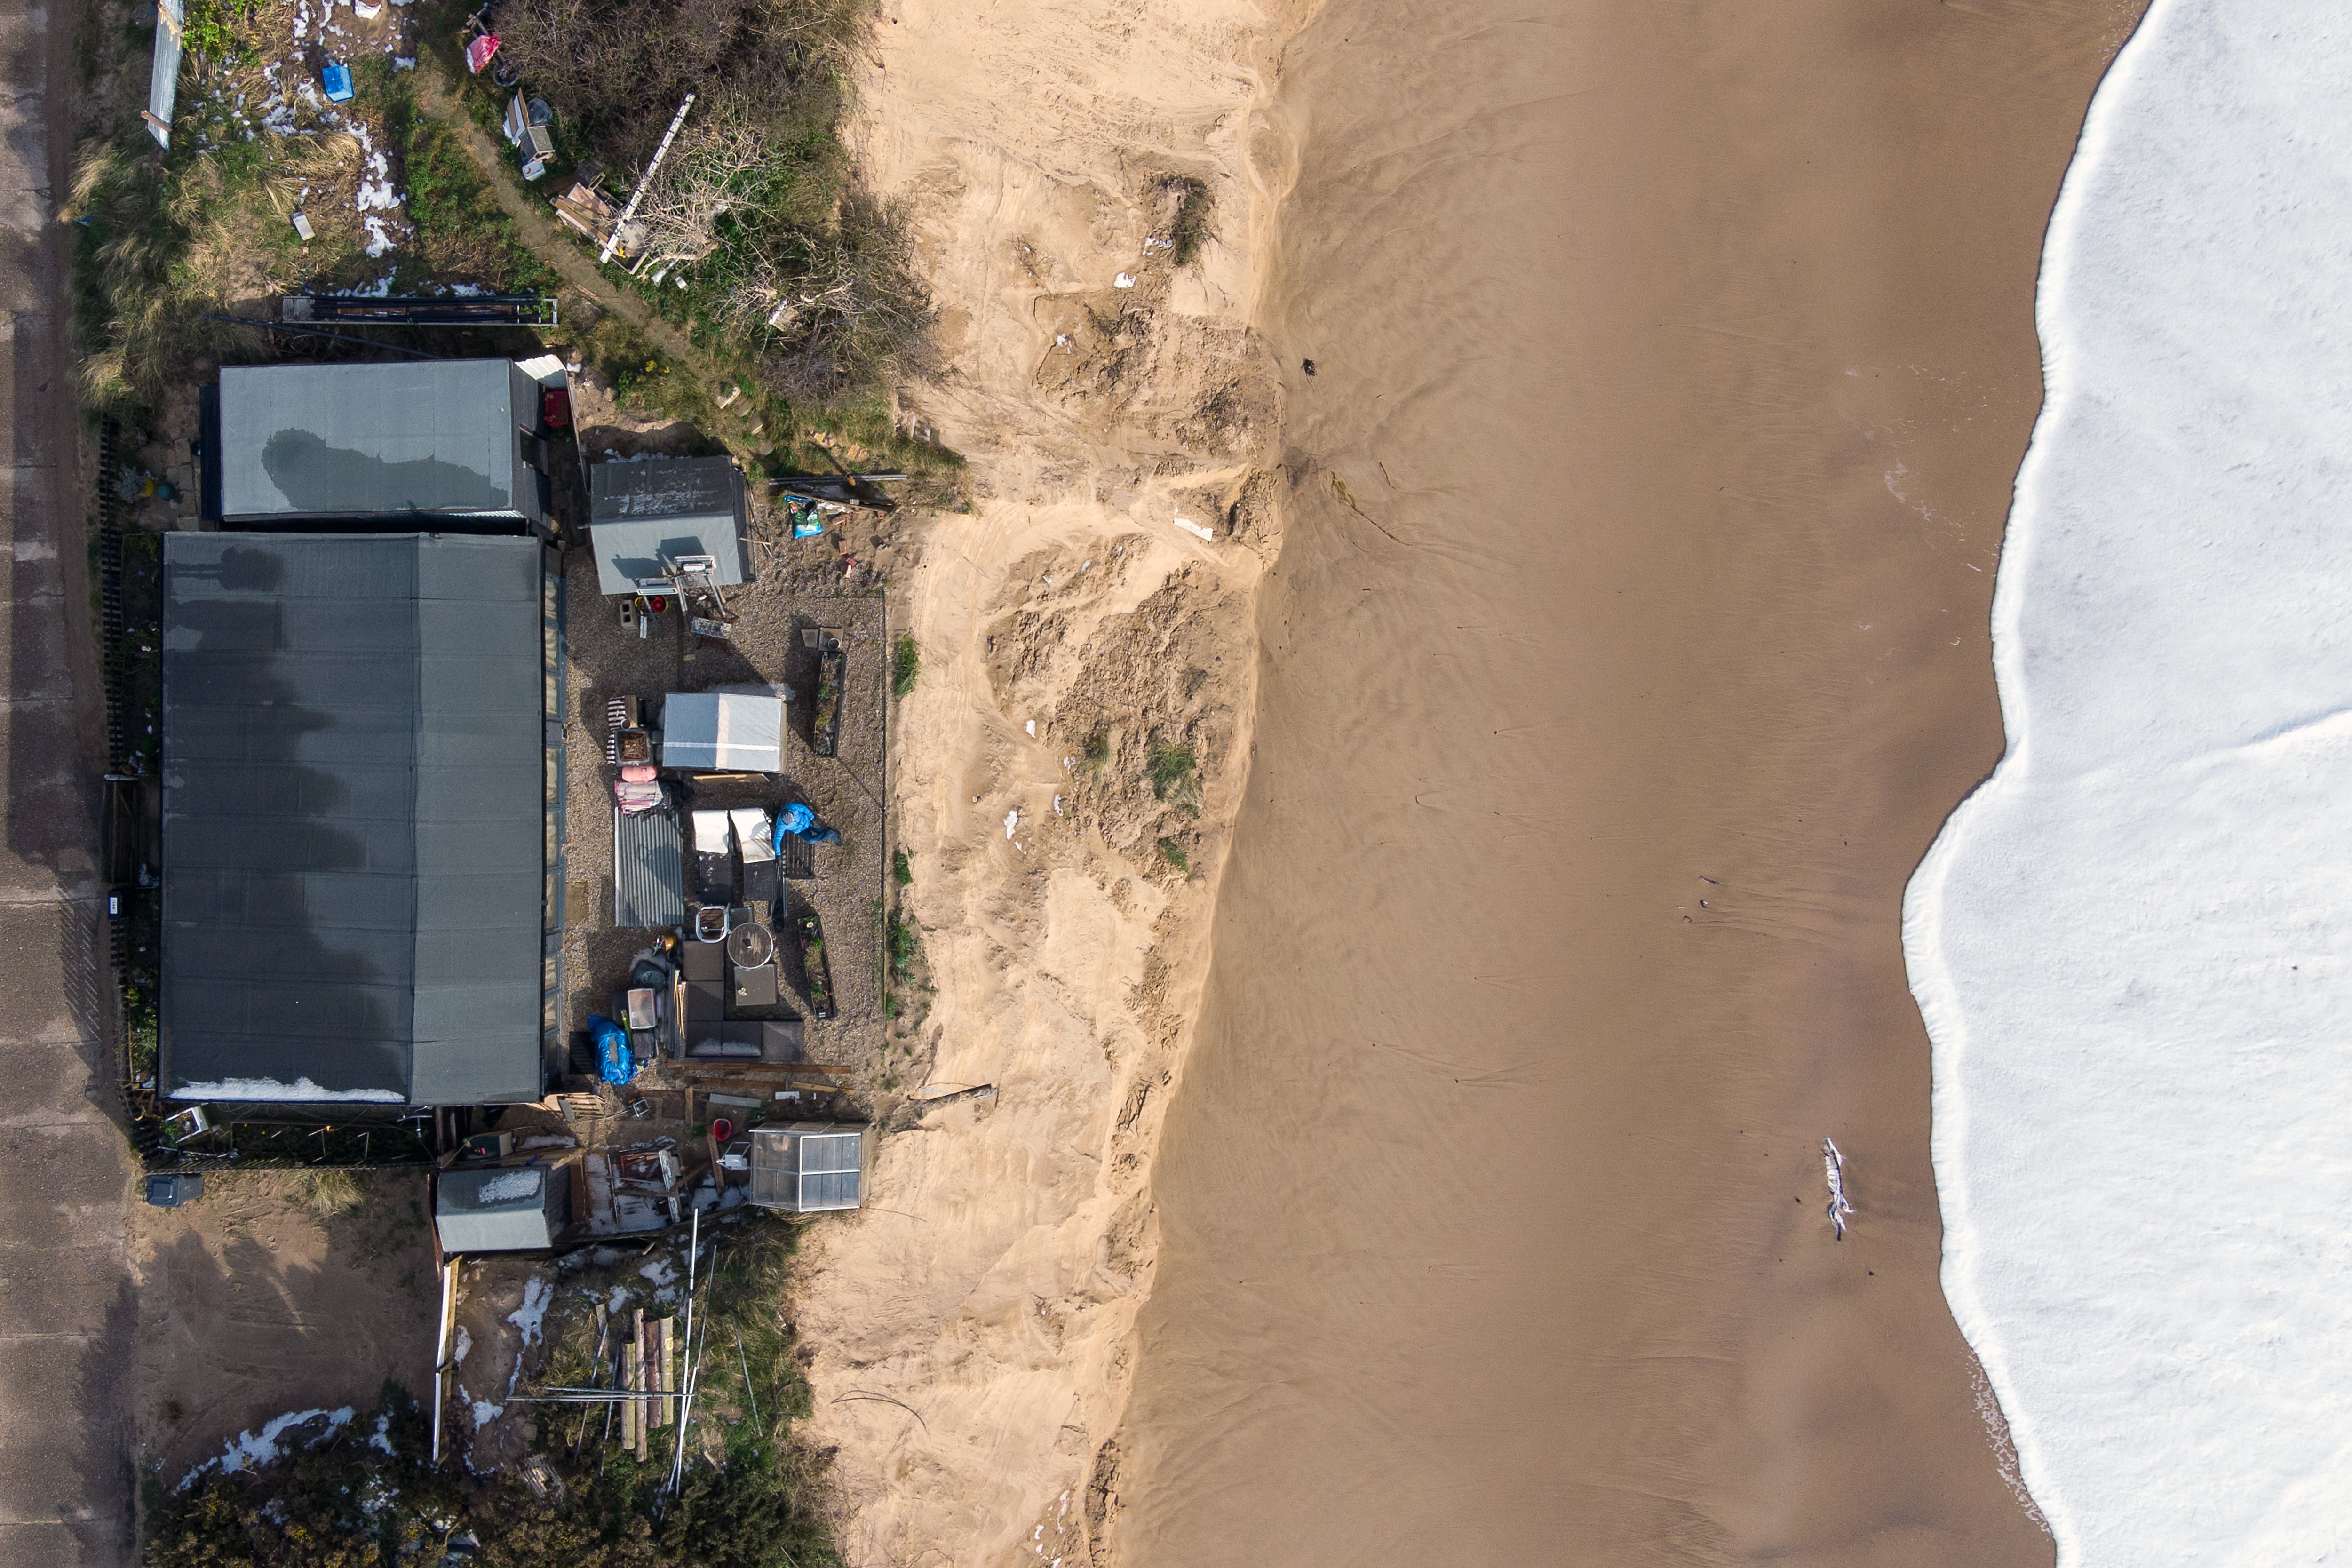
{"x": 314, "y": 332}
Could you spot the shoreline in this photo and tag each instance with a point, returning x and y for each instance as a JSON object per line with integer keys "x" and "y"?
{"x": 1668, "y": 600}
{"x": 1652, "y": 654}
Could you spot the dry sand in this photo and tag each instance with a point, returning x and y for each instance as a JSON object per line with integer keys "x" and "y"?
{"x": 1619, "y": 650}
{"x": 970, "y": 1326}
{"x": 252, "y": 1305}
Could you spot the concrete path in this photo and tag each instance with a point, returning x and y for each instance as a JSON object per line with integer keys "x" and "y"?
{"x": 67, "y": 1481}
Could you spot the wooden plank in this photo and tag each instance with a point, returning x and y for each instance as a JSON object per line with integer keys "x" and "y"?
{"x": 637, "y": 1380}
{"x": 646, "y": 1383}
{"x": 669, "y": 1369}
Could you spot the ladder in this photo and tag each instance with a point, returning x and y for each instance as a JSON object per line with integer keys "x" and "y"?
{"x": 694, "y": 580}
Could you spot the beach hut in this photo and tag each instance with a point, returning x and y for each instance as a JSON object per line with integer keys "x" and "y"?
{"x": 811, "y": 1167}
{"x": 648, "y": 515}
{"x": 503, "y": 1209}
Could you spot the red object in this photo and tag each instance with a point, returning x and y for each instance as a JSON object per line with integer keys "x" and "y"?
{"x": 658, "y": 604}
{"x": 721, "y": 1128}
{"x": 555, "y": 407}
{"x": 478, "y": 52}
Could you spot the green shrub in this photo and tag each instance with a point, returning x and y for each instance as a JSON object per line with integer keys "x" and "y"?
{"x": 1171, "y": 772}
{"x": 1173, "y": 853}
{"x": 901, "y": 871}
{"x": 1190, "y": 228}
{"x": 904, "y": 666}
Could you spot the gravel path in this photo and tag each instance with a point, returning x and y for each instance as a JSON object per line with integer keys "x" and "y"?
{"x": 66, "y": 1479}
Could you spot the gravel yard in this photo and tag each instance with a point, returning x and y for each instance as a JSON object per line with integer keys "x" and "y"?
{"x": 799, "y": 590}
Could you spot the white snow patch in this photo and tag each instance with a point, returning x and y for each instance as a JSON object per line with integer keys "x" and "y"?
{"x": 507, "y": 1186}
{"x": 267, "y": 1089}
{"x": 1124, "y": 280}
{"x": 465, "y": 1344}
{"x": 250, "y": 1450}
{"x": 527, "y": 1317}
{"x": 1011, "y": 821}
{"x": 661, "y": 1271}
{"x": 1194, "y": 529}
{"x": 1033, "y": 728}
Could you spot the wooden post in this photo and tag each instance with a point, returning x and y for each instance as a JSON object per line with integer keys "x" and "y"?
{"x": 632, "y": 1410}
{"x": 644, "y": 1381}
{"x": 441, "y": 1352}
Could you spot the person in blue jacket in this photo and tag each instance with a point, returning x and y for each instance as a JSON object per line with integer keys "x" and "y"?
{"x": 798, "y": 821}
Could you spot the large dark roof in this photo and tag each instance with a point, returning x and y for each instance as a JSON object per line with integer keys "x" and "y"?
{"x": 352, "y": 816}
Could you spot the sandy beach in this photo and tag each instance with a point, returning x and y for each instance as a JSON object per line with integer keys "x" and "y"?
{"x": 1582, "y": 656}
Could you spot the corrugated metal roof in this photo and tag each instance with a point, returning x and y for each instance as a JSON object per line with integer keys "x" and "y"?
{"x": 648, "y": 870}
{"x": 352, "y": 813}
{"x": 374, "y": 440}
{"x": 652, "y": 509}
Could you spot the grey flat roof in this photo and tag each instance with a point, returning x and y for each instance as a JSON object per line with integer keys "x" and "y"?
{"x": 354, "y": 821}
{"x": 370, "y": 440}
{"x": 470, "y": 1223}
{"x": 644, "y": 509}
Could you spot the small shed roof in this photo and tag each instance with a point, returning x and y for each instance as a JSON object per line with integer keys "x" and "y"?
{"x": 716, "y": 731}
{"x": 502, "y": 1210}
{"x": 648, "y": 870}
{"x": 644, "y": 511}
{"x": 434, "y": 436}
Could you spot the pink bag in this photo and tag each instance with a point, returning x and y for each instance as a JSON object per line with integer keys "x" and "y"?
{"x": 638, "y": 772}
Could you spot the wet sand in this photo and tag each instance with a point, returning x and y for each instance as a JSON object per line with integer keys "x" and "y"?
{"x": 1626, "y": 648}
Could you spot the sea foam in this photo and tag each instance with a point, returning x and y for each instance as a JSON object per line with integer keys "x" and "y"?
{"x": 2132, "y": 945}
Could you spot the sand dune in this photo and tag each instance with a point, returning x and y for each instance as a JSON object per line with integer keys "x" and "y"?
{"x": 973, "y": 1324}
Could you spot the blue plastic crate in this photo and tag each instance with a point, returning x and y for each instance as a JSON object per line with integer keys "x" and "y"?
{"x": 338, "y": 81}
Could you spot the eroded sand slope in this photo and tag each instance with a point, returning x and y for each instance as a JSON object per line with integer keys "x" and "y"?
{"x": 971, "y": 1324}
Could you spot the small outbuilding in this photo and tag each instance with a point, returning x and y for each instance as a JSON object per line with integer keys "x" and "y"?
{"x": 811, "y": 1167}
{"x": 723, "y": 732}
{"x": 512, "y": 1209}
{"x": 647, "y": 514}
{"x": 458, "y": 445}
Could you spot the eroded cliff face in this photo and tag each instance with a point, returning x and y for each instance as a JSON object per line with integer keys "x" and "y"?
{"x": 1065, "y": 774}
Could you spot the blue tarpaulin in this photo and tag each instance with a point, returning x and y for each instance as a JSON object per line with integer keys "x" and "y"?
{"x": 613, "y": 1059}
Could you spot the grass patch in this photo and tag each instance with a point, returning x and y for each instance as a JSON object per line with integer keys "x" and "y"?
{"x": 462, "y": 232}
{"x": 1098, "y": 752}
{"x": 906, "y": 665}
{"x": 328, "y": 1193}
{"x": 901, "y": 871}
{"x": 751, "y": 1498}
{"x": 1173, "y": 853}
{"x": 902, "y": 943}
{"x": 1172, "y": 773}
